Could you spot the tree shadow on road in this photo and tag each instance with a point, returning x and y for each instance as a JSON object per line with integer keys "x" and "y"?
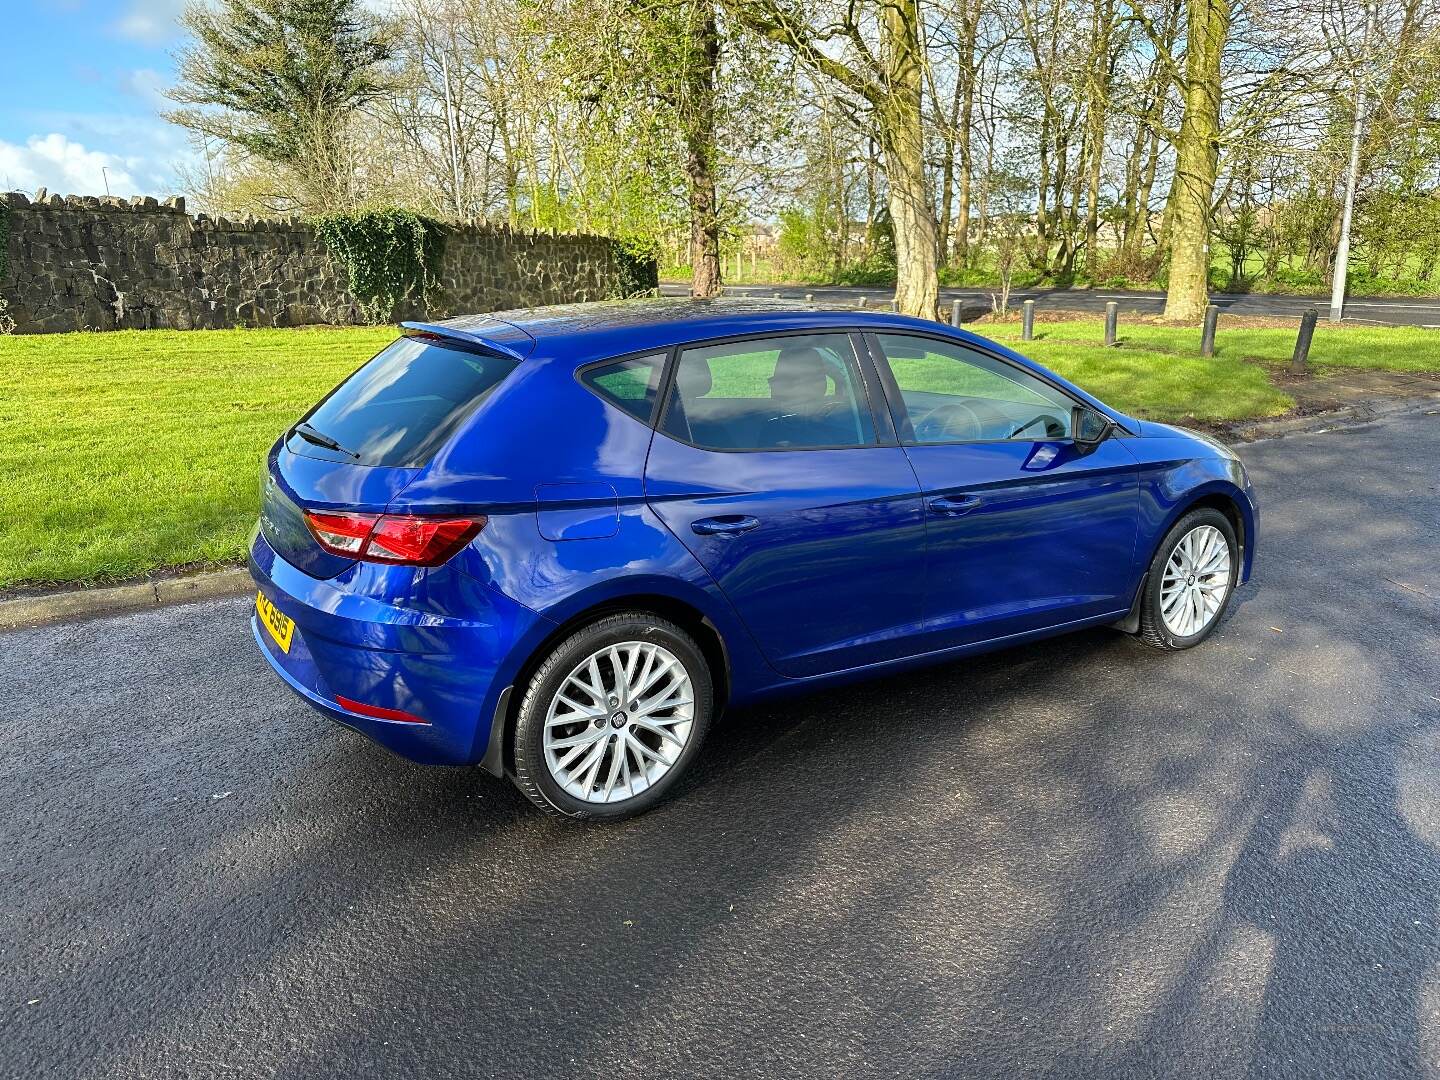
{"x": 1353, "y": 939}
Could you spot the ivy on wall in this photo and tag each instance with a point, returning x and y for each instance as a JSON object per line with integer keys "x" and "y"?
{"x": 639, "y": 271}
{"x": 391, "y": 256}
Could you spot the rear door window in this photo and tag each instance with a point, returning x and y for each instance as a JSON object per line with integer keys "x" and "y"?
{"x": 400, "y": 407}
{"x": 797, "y": 392}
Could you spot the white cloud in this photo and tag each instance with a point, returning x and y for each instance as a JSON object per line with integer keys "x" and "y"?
{"x": 148, "y": 85}
{"x": 146, "y": 149}
{"x": 64, "y": 166}
{"x": 151, "y": 22}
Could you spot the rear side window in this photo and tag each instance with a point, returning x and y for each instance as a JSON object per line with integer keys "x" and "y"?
{"x": 629, "y": 384}
{"x": 798, "y": 392}
{"x": 402, "y": 405}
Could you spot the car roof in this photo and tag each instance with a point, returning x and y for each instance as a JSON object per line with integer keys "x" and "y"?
{"x": 582, "y": 333}
{"x": 612, "y": 327}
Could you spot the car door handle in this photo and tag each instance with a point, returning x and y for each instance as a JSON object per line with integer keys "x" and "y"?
{"x": 953, "y": 505}
{"x": 725, "y": 524}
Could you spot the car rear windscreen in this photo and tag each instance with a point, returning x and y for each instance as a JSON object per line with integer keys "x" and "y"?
{"x": 402, "y": 405}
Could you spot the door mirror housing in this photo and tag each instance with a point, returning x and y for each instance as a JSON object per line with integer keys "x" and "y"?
{"x": 1089, "y": 427}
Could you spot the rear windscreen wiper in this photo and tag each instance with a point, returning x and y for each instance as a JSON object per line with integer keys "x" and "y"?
{"x": 319, "y": 438}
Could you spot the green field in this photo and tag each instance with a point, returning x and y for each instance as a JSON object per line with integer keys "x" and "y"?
{"x": 1389, "y": 348}
{"x": 128, "y": 451}
{"x": 1158, "y": 385}
{"x": 134, "y": 451}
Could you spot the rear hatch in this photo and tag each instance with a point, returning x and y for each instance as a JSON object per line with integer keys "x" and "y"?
{"x": 375, "y": 432}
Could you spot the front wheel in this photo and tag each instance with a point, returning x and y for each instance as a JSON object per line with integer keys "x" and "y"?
{"x": 612, "y": 718}
{"x": 1191, "y": 580}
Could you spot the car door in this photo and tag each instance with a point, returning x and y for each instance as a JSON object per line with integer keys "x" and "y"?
{"x": 769, "y": 466}
{"x": 1026, "y": 528}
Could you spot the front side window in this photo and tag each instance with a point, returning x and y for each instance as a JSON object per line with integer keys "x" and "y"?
{"x": 629, "y": 384}
{"x": 782, "y": 393}
{"x": 953, "y": 394}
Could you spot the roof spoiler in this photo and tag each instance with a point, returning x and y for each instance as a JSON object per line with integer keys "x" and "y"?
{"x": 464, "y": 337}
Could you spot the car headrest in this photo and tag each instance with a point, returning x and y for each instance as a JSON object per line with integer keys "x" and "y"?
{"x": 693, "y": 379}
{"x": 800, "y": 376}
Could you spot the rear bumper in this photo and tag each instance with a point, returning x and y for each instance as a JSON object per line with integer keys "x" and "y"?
{"x": 434, "y": 644}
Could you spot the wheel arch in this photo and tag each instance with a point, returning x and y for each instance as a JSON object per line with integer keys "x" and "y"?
{"x": 1229, "y": 500}
{"x": 686, "y": 614}
{"x": 1227, "y": 505}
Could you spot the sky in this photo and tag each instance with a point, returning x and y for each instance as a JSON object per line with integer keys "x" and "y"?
{"x": 80, "y": 84}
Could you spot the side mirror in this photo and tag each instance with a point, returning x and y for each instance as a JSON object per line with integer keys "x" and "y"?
{"x": 1088, "y": 427}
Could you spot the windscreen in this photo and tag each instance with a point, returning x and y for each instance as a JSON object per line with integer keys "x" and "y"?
{"x": 402, "y": 405}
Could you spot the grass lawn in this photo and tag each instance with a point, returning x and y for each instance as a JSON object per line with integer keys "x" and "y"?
{"x": 1388, "y": 348}
{"x": 127, "y": 451}
{"x": 1157, "y": 385}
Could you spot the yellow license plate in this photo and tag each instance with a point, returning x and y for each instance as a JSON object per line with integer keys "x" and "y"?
{"x": 281, "y": 626}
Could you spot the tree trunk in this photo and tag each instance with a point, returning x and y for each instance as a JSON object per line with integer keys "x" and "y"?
{"x": 1138, "y": 220}
{"x": 1095, "y": 136}
{"x": 949, "y": 137}
{"x": 969, "y": 72}
{"x": 917, "y": 285}
{"x": 704, "y": 229}
{"x": 702, "y": 57}
{"x": 1196, "y": 160}
{"x": 967, "y": 171}
{"x": 1040, "y": 256}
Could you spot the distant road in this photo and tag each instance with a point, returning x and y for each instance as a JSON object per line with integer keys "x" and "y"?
{"x": 1390, "y": 310}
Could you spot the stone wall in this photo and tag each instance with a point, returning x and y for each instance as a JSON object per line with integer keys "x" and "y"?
{"x": 88, "y": 263}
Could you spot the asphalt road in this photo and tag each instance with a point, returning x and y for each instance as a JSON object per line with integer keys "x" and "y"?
{"x": 1392, "y": 310}
{"x": 1078, "y": 858}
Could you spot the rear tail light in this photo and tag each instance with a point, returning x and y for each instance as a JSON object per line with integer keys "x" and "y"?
{"x": 392, "y": 538}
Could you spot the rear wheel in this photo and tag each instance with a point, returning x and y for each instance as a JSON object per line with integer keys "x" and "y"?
{"x": 1191, "y": 580}
{"x": 612, "y": 718}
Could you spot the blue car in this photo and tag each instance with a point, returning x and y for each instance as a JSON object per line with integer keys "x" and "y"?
{"x": 556, "y": 543}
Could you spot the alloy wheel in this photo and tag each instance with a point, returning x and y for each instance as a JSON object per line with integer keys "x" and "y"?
{"x": 1196, "y": 581}
{"x": 619, "y": 722}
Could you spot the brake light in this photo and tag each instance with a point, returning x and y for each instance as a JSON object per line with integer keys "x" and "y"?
{"x": 392, "y": 538}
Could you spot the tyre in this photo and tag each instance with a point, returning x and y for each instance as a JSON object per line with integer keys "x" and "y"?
{"x": 1191, "y": 581}
{"x": 612, "y": 718}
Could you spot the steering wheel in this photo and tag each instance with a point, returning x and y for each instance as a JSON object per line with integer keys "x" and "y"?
{"x": 957, "y": 421}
